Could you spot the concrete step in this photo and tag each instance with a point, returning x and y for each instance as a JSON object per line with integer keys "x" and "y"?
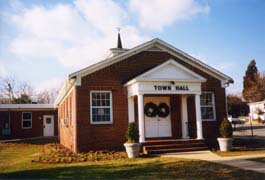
{"x": 171, "y": 141}
{"x": 159, "y": 146}
{"x": 162, "y": 151}
{"x": 172, "y": 146}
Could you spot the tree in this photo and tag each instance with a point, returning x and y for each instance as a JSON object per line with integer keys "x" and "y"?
{"x": 236, "y": 107}
{"x": 7, "y": 89}
{"x": 22, "y": 99}
{"x": 261, "y": 86}
{"x": 47, "y": 96}
{"x": 250, "y": 83}
{"x": 14, "y": 92}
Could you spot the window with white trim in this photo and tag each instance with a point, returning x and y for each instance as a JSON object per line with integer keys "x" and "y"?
{"x": 208, "y": 106}
{"x": 101, "y": 107}
{"x": 26, "y": 120}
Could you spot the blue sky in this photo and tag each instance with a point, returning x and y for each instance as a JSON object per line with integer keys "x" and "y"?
{"x": 41, "y": 42}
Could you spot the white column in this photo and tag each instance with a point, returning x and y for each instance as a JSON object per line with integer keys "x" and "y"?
{"x": 198, "y": 117}
{"x": 141, "y": 117}
{"x": 184, "y": 116}
{"x": 131, "y": 109}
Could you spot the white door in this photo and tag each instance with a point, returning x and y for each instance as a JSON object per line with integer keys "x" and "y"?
{"x": 157, "y": 126}
{"x": 48, "y": 125}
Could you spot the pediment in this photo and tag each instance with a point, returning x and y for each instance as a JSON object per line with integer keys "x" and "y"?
{"x": 154, "y": 48}
{"x": 170, "y": 70}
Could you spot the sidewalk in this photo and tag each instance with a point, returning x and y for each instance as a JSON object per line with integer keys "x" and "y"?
{"x": 235, "y": 161}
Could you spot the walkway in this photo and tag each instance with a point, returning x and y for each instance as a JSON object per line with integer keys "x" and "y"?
{"x": 235, "y": 161}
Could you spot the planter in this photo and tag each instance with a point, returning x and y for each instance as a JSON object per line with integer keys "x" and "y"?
{"x": 132, "y": 149}
{"x": 225, "y": 144}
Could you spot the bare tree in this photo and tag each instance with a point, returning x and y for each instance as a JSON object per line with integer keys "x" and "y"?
{"x": 7, "y": 86}
{"x": 12, "y": 91}
{"x": 48, "y": 96}
{"x": 24, "y": 89}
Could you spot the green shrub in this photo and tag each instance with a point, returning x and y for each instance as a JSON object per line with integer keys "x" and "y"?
{"x": 226, "y": 129}
{"x": 132, "y": 133}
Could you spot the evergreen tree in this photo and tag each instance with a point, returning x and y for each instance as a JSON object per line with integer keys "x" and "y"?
{"x": 261, "y": 86}
{"x": 250, "y": 83}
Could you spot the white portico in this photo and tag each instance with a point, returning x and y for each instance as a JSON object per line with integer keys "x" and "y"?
{"x": 166, "y": 79}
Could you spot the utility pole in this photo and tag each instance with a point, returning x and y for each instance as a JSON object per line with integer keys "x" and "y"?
{"x": 251, "y": 128}
{"x": 11, "y": 95}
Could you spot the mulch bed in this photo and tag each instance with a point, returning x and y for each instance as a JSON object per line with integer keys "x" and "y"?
{"x": 56, "y": 153}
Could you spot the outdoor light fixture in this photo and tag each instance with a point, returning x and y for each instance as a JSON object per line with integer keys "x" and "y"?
{"x": 172, "y": 82}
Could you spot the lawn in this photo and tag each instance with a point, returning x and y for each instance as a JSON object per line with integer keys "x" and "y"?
{"x": 16, "y": 162}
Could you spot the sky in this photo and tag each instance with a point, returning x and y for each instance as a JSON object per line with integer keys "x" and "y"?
{"x": 43, "y": 41}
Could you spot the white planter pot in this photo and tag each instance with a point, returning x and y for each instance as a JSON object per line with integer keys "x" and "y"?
{"x": 132, "y": 149}
{"x": 225, "y": 144}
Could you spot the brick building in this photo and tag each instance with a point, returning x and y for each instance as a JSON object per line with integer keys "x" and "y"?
{"x": 28, "y": 120}
{"x": 169, "y": 94}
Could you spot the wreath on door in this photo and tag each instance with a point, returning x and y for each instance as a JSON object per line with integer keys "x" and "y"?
{"x": 163, "y": 110}
{"x": 150, "y": 109}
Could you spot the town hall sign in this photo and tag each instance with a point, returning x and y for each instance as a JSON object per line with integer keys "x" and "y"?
{"x": 171, "y": 88}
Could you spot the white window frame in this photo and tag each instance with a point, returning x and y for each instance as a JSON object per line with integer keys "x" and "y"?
{"x": 66, "y": 119}
{"x": 213, "y": 105}
{"x": 111, "y": 113}
{"x": 26, "y": 120}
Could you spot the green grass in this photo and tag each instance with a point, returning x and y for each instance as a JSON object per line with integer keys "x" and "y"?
{"x": 16, "y": 162}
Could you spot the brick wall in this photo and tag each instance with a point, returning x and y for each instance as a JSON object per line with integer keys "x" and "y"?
{"x": 112, "y": 78}
{"x": 16, "y": 123}
{"x": 65, "y": 119}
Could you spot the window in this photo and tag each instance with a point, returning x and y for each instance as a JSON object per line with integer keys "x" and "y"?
{"x": 64, "y": 115}
{"x": 26, "y": 120}
{"x": 66, "y": 119}
{"x": 207, "y": 106}
{"x": 48, "y": 120}
{"x": 101, "y": 107}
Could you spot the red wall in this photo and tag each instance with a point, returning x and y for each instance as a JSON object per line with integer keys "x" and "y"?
{"x": 66, "y": 129}
{"x": 113, "y": 77}
{"x": 16, "y": 124}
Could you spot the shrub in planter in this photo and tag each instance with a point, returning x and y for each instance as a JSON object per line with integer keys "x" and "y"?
{"x": 132, "y": 136}
{"x": 226, "y": 131}
{"x": 132, "y": 133}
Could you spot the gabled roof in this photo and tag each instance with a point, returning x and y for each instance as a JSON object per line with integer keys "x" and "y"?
{"x": 153, "y": 44}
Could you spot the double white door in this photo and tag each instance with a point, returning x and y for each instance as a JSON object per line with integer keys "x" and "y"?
{"x": 157, "y": 126}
